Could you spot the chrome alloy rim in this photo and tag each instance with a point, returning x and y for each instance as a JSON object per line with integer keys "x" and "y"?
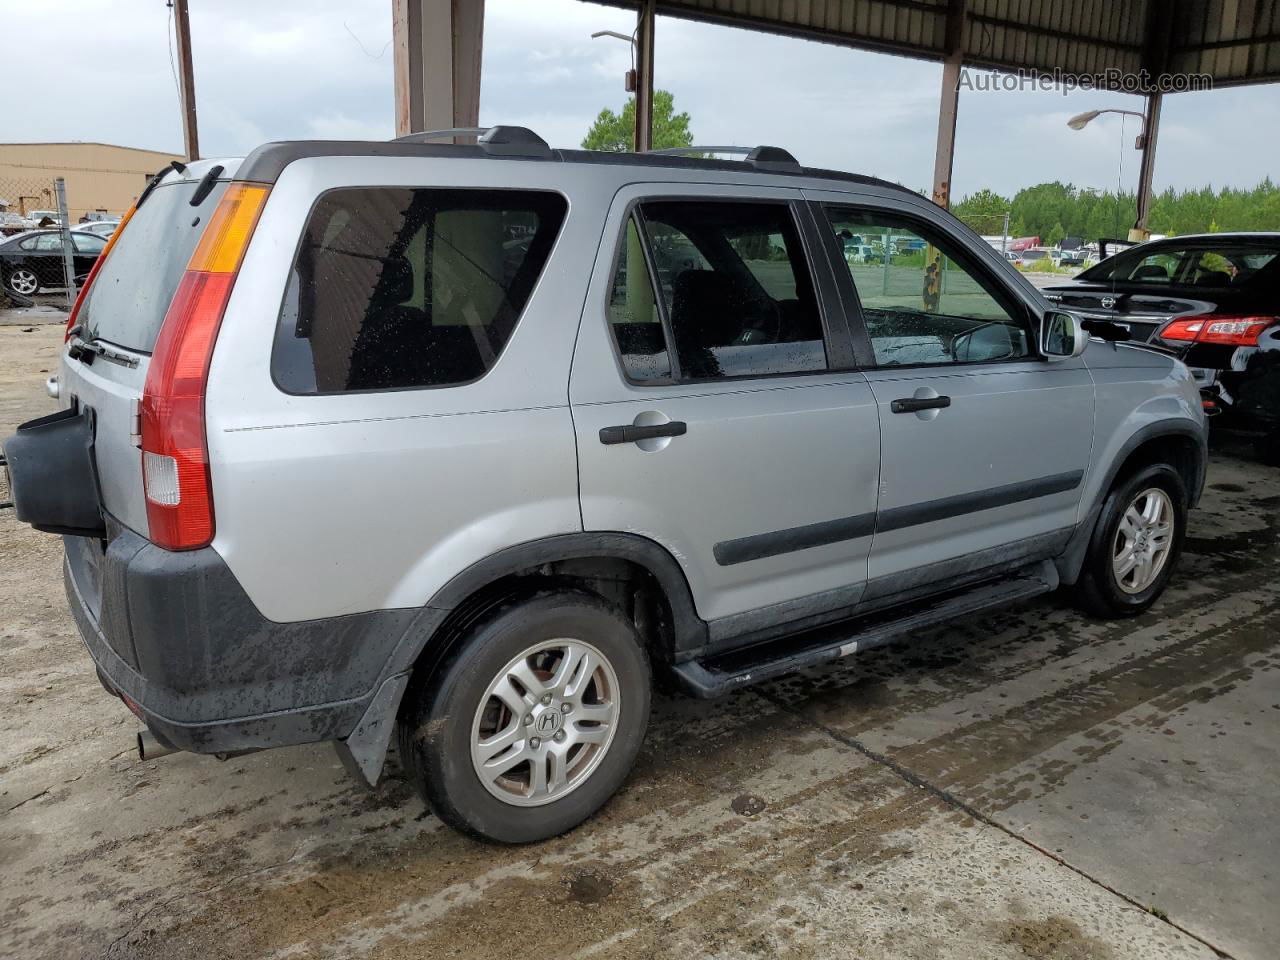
{"x": 545, "y": 722}
{"x": 23, "y": 282}
{"x": 1143, "y": 540}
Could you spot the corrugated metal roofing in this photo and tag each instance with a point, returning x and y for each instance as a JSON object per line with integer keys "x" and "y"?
{"x": 1231, "y": 41}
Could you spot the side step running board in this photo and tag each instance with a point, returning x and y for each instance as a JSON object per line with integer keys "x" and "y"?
{"x": 718, "y": 675}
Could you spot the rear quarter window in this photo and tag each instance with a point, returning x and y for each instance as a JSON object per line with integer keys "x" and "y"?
{"x": 396, "y": 288}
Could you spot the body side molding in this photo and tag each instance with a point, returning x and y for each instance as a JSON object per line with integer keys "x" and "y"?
{"x": 760, "y": 545}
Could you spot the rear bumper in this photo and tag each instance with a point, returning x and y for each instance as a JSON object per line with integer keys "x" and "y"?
{"x": 176, "y": 635}
{"x": 1244, "y": 382}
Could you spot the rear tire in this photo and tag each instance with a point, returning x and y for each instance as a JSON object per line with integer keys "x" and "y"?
{"x": 534, "y": 723}
{"x": 1136, "y": 544}
{"x": 23, "y": 282}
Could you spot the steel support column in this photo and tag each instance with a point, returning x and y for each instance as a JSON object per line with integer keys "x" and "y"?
{"x": 645, "y": 20}
{"x": 945, "y": 149}
{"x": 1150, "y": 128}
{"x": 437, "y": 46}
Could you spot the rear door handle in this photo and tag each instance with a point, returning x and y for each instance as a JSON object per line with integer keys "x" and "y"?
{"x": 630, "y": 433}
{"x": 913, "y": 404}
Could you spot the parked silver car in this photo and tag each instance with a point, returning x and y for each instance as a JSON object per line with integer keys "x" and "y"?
{"x": 469, "y": 442}
{"x": 102, "y": 228}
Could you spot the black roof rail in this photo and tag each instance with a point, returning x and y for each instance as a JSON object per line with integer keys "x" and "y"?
{"x": 772, "y": 158}
{"x": 499, "y": 140}
{"x": 761, "y": 157}
{"x": 426, "y": 136}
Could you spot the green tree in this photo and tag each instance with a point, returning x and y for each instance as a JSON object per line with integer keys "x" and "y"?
{"x": 616, "y": 133}
{"x": 1042, "y": 209}
{"x": 983, "y": 211}
{"x": 1055, "y": 235}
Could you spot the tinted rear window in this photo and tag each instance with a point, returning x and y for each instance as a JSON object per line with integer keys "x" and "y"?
{"x": 400, "y": 287}
{"x": 1214, "y": 264}
{"x": 131, "y": 293}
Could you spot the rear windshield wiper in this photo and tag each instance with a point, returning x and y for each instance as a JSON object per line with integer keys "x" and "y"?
{"x": 86, "y": 349}
{"x": 205, "y": 186}
{"x": 177, "y": 165}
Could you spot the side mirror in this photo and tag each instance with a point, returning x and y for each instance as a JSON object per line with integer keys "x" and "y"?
{"x": 1062, "y": 335}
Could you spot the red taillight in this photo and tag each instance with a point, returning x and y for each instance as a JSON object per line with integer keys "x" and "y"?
{"x": 1232, "y": 331}
{"x": 175, "y": 456}
{"x": 93, "y": 272}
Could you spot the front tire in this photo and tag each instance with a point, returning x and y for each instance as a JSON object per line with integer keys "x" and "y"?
{"x": 1136, "y": 543}
{"x": 536, "y": 721}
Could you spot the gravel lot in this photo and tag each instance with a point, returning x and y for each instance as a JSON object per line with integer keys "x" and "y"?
{"x": 1027, "y": 784}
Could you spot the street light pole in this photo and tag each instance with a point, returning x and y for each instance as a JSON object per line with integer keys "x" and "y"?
{"x": 1146, "y": 142}
{"x": 1150, "y": 127}
{"x": 640, "y": 77}
{"x": 645, "y": 19}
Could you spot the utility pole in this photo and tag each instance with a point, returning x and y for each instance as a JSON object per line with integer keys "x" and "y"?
{"x": 187, "y": 78}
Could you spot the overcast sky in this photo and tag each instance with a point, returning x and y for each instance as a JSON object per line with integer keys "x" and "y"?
{"x": 323, "y": 68}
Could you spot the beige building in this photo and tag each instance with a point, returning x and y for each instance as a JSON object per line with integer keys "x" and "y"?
{"x": 101, "y": 177}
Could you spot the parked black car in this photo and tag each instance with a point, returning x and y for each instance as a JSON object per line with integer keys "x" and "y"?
{"x": 32, "y": 261}
{"x": 1212, "y": 298}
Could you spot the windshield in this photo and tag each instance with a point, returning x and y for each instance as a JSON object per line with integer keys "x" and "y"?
{"x": 1223, "y": 264}
{"x": 128, "y": 299}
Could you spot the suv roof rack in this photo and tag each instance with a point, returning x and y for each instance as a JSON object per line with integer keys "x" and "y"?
{"x": 268, "y": 161}
{"x": 762, "y": 157}
{"x": 499, "y": 140}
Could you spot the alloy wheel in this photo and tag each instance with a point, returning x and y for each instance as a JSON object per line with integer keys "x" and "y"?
{"x": 545, "y": 722}
{"x": 24, "y": 282}
{"x": 1143, "y": 540}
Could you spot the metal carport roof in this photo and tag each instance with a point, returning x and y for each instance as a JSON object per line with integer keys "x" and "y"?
{"x": 1231, "y": 41}
{"x": 1148, "y": 47}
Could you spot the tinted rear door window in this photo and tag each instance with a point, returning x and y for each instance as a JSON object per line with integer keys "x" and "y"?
{"x": 131, "y": 293}
{"x": 735, "y": 285}
{"x": 396, "y": 288}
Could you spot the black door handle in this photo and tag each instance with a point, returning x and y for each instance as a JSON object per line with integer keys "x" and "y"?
{"x": 630, "y": 433}
{"x": 912, "y": 404}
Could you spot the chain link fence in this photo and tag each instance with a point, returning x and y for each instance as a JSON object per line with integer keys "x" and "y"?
{"x": 41, "y": 259}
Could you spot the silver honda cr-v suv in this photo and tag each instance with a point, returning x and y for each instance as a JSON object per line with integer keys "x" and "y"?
{"x": 470, "y": 442}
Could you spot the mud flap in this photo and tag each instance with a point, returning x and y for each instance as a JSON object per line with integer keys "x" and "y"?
{"x": 52, "y": 475}
{"x": 365, "y": 750}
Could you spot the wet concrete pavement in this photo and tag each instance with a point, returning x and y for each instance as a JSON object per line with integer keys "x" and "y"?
{"x": 1026, "y": 784}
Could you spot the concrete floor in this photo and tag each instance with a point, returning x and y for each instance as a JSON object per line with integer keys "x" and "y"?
{"x": 1027, "y": 784}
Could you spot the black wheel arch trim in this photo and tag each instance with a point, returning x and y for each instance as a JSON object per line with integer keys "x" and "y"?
{"x": 1072, "y": 559}
{"x": 1158, "y": 431}
{"x": 428, "y": 640}
{"x": 690, "y": 629}
{"x": 423, "y": 642}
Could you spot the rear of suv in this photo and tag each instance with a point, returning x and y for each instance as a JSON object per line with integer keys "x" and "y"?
{"x": 462, "y": 445}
